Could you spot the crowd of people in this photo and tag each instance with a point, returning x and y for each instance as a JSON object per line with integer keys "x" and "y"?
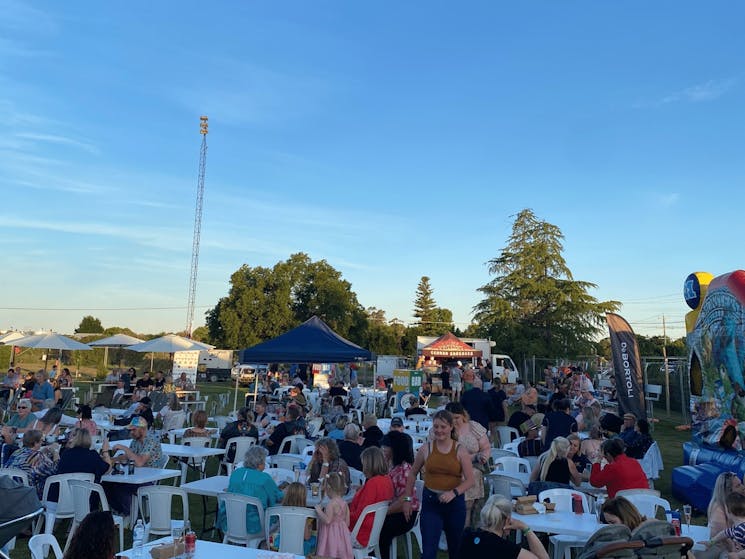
{"x": 451, "y": 463}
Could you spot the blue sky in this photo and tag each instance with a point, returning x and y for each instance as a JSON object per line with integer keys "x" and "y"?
{"x": 393, "y": 139}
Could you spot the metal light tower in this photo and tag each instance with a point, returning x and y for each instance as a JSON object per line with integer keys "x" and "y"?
{"x": 203, "y": 125}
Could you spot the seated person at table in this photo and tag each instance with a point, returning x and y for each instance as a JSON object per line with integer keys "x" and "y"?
{"x": 298, "y": 398}
{"x": 171, "y": 414}
{"x": 261, "y": 418}
{"x": 144, "y": 451}
{"x": 251, "y": 480}
{"x": 350, "y": 448}
{"x": 295, "y": 496}
{"x": 95, "y": 538}
{"x": 554, "y": 466}
{"x": 23, "y": 418}
{"x": 337, "y": 408}
{"x": 378, "y": 487}
{"x": 629, "y": 434}
{"x": 145, "y": 383}
{"x": 198, "y": 422}
{"x": 521, "y": 416}
{"x": 639, "y": 446}
{"x": 183, "y": 383}
{"x": 159, "y": 381}
{"x": 119, "y": 394}
{"x": 290, "y": 426}
{"x": 492, "y": 539}
{"x": 337, "y": 389}
{"x": 734, "y": 536}
{"x": 326, "y": 459}
{"x": 415, "y": 408}
{"x": 241, "y": 427}
{"x": 337, "y": 433}
{"x": 372, "y": 434}
{"x": 620, "y": 472}
{"x": 48, "y": 423}
{"x": 9, "y": 445}
{"x": 39, "y": 463}
{"x": 531, "y": 429}
{"x": 42, "y": 392}
{"x": 169, "y": 387}
{"x": 354, "y": 393}
{"x": 85, "y": 420}
{"x": 558, "y": 423}
{"x": 78, "y": 457}
{"x": 140, "y": 408}
{"x": 621, "y": 511}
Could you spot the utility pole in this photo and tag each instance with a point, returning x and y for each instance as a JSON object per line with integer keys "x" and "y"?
{"x": 667, "y": 371}
{"x": 203, "y": 126}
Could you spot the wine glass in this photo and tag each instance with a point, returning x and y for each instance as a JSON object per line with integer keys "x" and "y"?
{"x": 687, "y": 513}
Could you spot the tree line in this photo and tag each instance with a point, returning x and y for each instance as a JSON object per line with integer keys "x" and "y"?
{"x": 532, "y": 305}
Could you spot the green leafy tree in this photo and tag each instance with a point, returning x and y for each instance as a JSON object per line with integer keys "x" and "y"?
{"x": 534, "y": 306}
{"x": 89, "y": 325}
{"x": 265, "y": 302}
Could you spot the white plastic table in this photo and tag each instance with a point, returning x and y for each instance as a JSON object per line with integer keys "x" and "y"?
{"x": 142, "y": 476}
{"x": 187, "y": 451}
{"x": 209, "y": 550}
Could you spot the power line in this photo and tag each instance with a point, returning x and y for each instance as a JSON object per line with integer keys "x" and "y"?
{"x": 100, "y": 308}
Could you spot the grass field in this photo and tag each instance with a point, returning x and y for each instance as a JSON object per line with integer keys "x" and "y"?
{"x": 219, "y": 398}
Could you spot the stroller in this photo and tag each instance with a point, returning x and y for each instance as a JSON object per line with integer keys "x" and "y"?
{"x": 18, "y": 509}
{"x": 652, "y": 539}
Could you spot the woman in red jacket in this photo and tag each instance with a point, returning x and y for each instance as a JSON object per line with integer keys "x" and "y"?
{"x": 378, "y": 488}
{"x": 620, "y": 473}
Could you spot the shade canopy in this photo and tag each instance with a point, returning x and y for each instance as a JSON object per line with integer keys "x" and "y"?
{"x": 311, "y": 342}
{"x": 170, "y": 343}
{"x": 118, "y": 340}
{"x": 50, "y": 340}
{"x": 450, "y": 346}
{"x": 9, "y": 337}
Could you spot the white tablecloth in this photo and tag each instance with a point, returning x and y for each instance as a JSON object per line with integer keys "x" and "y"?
{"x": 210, "y": 550}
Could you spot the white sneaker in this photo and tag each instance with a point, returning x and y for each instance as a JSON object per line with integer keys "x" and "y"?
{"x": 443, "y": 545}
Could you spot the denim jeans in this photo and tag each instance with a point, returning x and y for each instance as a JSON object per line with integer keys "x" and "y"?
{"x": 436, "y": 517}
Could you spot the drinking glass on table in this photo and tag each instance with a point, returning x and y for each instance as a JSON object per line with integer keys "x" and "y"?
{"x": 687, "y": 513}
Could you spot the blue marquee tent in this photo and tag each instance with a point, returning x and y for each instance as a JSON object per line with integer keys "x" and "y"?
{"x": 311, "y": 342}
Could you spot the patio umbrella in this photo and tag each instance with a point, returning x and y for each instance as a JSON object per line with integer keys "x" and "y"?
{"x": 170, "y": 343}
{"x": 119, "y": 341}
{"x": 51, "y": 340}
{"x": 7, "y": 339}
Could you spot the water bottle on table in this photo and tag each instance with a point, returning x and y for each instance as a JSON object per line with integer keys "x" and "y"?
{"x": 138, "y": 540}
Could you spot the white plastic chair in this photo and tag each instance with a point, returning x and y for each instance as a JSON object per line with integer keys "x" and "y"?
{"x": 158, "y": 500}
{"x": 314, "y": 426}
{"x": 290, "y": 444}
{"x": 563, "y": 499}
{"x": 241, "y": 444}
{"x": 646, "y": 504}
{"x": 280, "y": 475}
{"x": 81, "y": 494}
{"x": 173, "y": 421}
{"x": 64, "y": 507}
{"x": 499, "y": 452}
{"x": 379, "y": 510}
{"x": 39, "y": 545}
{"x": 284, "y": 462}
{"x": 15, "y": 473}
{"x": 507, "y": 435}
{"x": 291, "y": 527}
{"x": 415, "y": 530}
{"x": 198, "y": 464}
{"x": 506, "y": 486}
{"x": 513, "y": 464}
{"x": 235, "y": 512}
{"x": 512, "y": 447}
{"x": 356, "y": 477}
{"x": 625, "y": 492}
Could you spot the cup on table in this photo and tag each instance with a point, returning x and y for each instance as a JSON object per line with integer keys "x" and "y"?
{"x": 315, "y": 488}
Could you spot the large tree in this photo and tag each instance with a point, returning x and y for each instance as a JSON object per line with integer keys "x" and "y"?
{"x": 89, "y": 325}
{"x": 265, "y": 302}
{"x": 432, "y": 320}
{"x": 533, "y": 305}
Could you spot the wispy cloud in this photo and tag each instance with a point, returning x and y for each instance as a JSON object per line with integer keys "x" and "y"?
{"x": 165, "y": 238}
{"x": 60, "y": 140}
{"x": 19, "y": 15}
{"x": 700, "y": 93}
{"x": 667, "y": 200}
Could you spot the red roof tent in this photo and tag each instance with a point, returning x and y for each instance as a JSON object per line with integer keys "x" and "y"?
{"x": 449, "y": 345}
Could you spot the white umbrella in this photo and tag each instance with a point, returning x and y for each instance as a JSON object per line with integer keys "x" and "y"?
{"x": 118, "y": 340}
{"x": 50, "y": 340}
{"x": 8, "y": 338}
{"x": 170, "y": 343}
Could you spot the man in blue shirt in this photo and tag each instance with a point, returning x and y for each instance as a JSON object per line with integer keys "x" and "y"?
{"x": 42, "y": 391}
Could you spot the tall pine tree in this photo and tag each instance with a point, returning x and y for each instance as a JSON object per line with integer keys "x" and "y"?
{"x": 534, "y": 306}
{"x": 425, "y": 308}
